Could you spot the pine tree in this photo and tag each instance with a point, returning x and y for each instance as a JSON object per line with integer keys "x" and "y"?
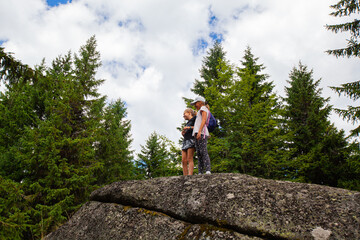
{"x": 58, "y": 136}
{"x": 13, "y": 210}
{"x": 216, "y": 78}
{"x": 318, "y": 151}
{"x": 210, "y": 68}
{"x": 345, "y": 8}
{"x": 352, "y": 113}
{"x": 254, "y": 136}
{"x": 57, "y": 155}
{"x": 156, "y": 158}
{"x": 350, "y": 176}
{"x": 16, "y": 112}
{"x": 248, "y": 139}
{"x": 306, "y": 111}
{"x": 218, "y": 96}
{"x": 113, "y": 145}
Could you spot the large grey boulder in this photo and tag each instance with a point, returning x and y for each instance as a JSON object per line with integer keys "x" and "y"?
{"x": 108, "y": 221}
{"x": 216, "y": 206}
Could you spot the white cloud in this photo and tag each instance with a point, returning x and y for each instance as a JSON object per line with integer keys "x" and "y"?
{"x": 147, "y": 47}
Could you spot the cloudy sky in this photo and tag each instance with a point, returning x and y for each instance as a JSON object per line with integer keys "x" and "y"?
{"x": 152, "y": 50}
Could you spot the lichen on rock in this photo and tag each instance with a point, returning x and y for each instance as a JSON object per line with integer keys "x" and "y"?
{"x": 216, "y": 206}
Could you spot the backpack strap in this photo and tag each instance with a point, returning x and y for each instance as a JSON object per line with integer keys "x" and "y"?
{"x": 208, "y": 119}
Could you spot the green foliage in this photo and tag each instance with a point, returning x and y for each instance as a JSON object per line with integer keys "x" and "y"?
{"x": 352, "y": 114}
{"x": 260, "y": 137}
{"x": 254, "y": 123}
{"x": 158, "y": 158}
{"x": 209, "y": 70}
{"x": 351, "y": 171}
{"x": 317, "y": 150}
{"x": 306, "y": 111}
{"x": 241, "y": 99}
{"x": 11, "y": 71}
{"x": 346, "y": 8}
{"x": 16, "y": 114}
{"x": 113, "y": 145}
{"x": 13, "y": 210}
{"x": 217, "y": 79}
{"x": 59, "y": 139}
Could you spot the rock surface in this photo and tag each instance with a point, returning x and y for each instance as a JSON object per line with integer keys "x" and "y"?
{"x": 216, "y": 206}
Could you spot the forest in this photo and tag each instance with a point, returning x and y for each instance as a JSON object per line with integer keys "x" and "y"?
{"x": 60, "y": 139}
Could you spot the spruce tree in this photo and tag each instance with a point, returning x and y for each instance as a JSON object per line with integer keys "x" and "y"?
{"x": 16, "y": 112}
{"x": 113, "y": 145}
{"x": 254, "y": 138}
{"x": 306, "y": 111}
{"x": 58, "y": 136}
{"x": 210, "y": 68}
{"x": 216, "y": 78}
{"x": 317, "y": 150}
{"x": 14, "y": 215}
{"x": 243, "y": 102}
{"x": 57, "y": 155}
{"x": 218, "y": 96}
{"x": 156, "y": 158}
{"x": 352, "y": 113}
{"x": 346, "y": 8}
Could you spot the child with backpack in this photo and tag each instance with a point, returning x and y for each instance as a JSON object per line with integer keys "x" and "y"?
{"x": 201, "y": 134}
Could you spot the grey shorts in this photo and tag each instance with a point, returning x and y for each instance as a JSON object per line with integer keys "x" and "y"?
{"x": 188, "y": 143}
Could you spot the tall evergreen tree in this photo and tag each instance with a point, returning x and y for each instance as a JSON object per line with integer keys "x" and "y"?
{"x": 113, "y": 145}
{"x": 218, "y": 96}
{"x": 248, "y": 139}
{"x": 58, "y": 155}
{"x": 254, "y": 136}
{"x": 306, "y": 111}
{"x": 56, "y": 135}
{"x": 210, "y": 69}
{"x": 345, "y": 8}
{"x": 216, "y": 79}
{"x": 317, "y": 150}
{"x": 16, "y": 112}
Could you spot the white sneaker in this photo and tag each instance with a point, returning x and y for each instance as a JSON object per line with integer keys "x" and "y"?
{"x": 208, "y": 172}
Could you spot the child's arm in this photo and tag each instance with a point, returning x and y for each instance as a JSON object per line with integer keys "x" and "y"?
{"x": 203, "y": 122}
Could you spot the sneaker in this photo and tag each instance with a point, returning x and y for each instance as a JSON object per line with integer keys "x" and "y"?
{"x": 208, "y": 172}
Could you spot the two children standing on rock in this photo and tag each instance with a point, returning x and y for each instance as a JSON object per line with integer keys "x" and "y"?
{"x": 199, "y": 135}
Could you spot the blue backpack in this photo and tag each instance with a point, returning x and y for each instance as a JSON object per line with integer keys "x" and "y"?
{"x": 211, "y": 123}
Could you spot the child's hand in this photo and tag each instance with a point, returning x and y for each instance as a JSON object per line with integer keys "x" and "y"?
{"x": 184, "y": 130}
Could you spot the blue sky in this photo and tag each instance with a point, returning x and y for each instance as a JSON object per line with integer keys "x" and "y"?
{"x": 152, "y": 50}
{"x": 53, "y": 3}
{"x": 202, "y": 44}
